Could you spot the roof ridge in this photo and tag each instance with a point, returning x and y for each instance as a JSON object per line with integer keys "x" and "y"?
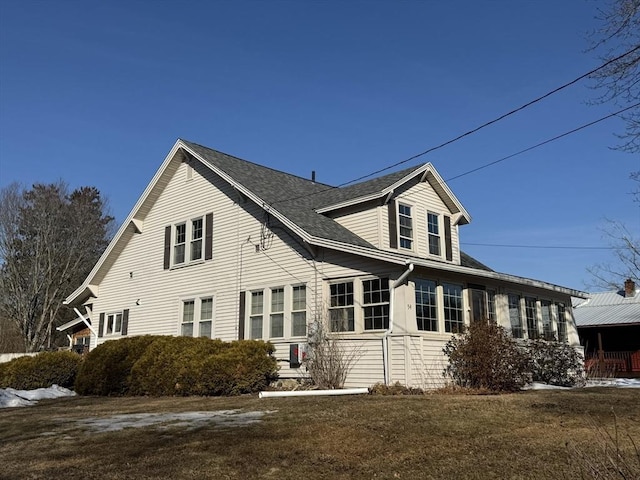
{"x": 188, "y": 142}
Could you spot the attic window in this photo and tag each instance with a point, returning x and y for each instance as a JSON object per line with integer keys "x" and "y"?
{"x": 433, "y": 228}
{"x": 406, "y": 226}
{"x": 188, "y": 242}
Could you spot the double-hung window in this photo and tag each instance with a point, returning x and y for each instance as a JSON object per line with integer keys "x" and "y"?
{"x": 562, "y": 322}
{"x": 426, "y": 305}
{"x": 453, "y": 312}
{"x": 196, "y": 239}
{"x": 532, "y": 319}
{"x": 180, "y": 240}
{"x": 547, "y": 325}
{"x": 341, "y": 307}
{"x": 299, "y": 311}
{"x": 255, "y": 319}
{"x": 206, "y": 317}
{"x": 197, "y": 317}
{"x": 114, "y": 323}
{"x": 433, "y": 231}
{"x": 376, "y": 303}
{"x": 277, "y": 312}
{"x": 188, "y": 314}
{"x": 515, "y": 318}
{"x": 406, "y": 226}
{"x": 188, "y": 242}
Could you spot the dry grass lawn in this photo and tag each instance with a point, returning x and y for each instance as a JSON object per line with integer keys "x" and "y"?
{"x": 519, "y": 436}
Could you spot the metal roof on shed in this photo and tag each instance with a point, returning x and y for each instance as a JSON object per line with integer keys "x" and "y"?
{"x": 608, "y": 309}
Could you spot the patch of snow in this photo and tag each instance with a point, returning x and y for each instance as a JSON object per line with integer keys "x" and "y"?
{"x": 10, "y": 397}
{"x": 615, "y": 382}
{"x": 544, "y": 386}
{"x": 191, "y": 420}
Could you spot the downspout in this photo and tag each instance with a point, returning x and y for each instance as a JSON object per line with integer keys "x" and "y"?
{"x": 388, "y": 331}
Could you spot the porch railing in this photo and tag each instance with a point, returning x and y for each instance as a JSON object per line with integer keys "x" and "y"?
{"x": 612, "y": 362}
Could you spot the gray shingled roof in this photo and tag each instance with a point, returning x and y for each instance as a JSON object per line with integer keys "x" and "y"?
{"x": 297, "y": 198}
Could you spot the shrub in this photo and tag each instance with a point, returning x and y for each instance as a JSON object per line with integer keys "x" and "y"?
{"x": 41, "y": 371}
{"x": 163, "y": 365}
{"x": 395, "y": 389}
{"x": 485, "y": 356}
{"x": 199, "y": 366}
{"x": 328, "y": 363}
{"x": 106, "y": 369}
{"x": 555, "y": 363}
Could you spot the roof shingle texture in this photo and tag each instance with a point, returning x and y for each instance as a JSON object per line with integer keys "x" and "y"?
{"x": 298, "y": 198}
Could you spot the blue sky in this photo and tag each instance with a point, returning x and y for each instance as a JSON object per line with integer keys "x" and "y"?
{"x": 96, "y": 93}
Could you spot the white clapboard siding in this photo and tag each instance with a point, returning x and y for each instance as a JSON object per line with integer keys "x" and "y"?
{"x": 364, "y": 221}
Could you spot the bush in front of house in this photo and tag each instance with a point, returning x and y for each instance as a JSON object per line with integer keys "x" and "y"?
{"x": 106, "y": 369}
{"x": 555, "y": 363}
{"x": 163, "y": 365}
{"x": 40, "y": 371}
{"x": 200, "y": 366}
{"x": 486, "y": 357}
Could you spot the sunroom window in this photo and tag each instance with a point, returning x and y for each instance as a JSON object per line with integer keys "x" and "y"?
{"x": 341, "y": 307}
{"x": 376, "y": 303}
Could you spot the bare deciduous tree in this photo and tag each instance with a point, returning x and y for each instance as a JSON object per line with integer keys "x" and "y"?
{"x": 619, "y": 82}
{"x": 626, "y": 261}
{"x": 49, "y": 241}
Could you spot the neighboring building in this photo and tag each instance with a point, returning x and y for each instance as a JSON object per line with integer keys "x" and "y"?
{"x": 609, "y": 329}
{"x": 220, "y": 247}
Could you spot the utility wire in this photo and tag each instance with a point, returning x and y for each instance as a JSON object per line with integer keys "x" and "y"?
{"x": 553, "y": 139}
{"x": 484, "y": 125}
{"x": 491, "y": 122}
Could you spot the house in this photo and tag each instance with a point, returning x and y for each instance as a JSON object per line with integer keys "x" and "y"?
{"x": 609, "y": 329}
{"x": 220, "y": 247}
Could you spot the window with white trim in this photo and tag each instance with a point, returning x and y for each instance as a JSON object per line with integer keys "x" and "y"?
{"x": 206, "y": 317}
{"x": 453, "y": 312}
{"x": 433, "y": 231}
{"x": 256, "y": 317}
{"x": 188, "y": 312}
{"x": 196, "y": 239}
{"x": 196, "y": 317}
{"x": 277, "y": 312}
{"x": 180, "y": 238}
{"x": 375, "y": 301}
{"x": 547, "y": 323}
{"x": 188, "y": 241}
{"x": 491, "y": 305}
{"x": 515, "y": 319}
{"x": 531, "y": 315}
{"x": 426, "y": 305}
{"x": 299, "y": 311}
{"x": 562, "y": 322}
{"x": 406, "y": 226}
{"x": 341, "y": 315}
{"x": 114, "y": 323}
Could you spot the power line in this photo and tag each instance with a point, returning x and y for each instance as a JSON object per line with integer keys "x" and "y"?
{"x": 562, "y": 247}
{"x": 491, "y": 122}
{"x": 476, "y": 129}
{"x": 553, "y": 139}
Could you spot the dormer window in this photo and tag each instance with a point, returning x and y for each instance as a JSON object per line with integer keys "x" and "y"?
{"x": 433, "y": 230}
{"x": 406, "y": 226}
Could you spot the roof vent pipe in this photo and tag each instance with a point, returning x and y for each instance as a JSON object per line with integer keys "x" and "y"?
{"x": 313, "y": 176}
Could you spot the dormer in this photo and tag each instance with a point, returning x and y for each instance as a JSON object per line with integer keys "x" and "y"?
{"x": 412, "y": 212}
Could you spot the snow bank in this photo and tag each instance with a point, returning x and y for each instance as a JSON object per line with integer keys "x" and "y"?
{"x": 10, "y": 397}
